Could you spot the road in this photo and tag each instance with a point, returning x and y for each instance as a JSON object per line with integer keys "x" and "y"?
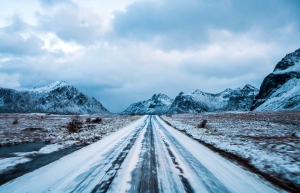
{"x": 146, "y": 156}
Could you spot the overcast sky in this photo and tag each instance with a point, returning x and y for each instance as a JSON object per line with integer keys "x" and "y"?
{"x": 124, "y": 51}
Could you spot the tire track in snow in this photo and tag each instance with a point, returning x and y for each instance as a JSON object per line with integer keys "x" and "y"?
{"x": 107, "y": 179}
{"x": 186, "y": 184}
{"x": 85, "y": 178}
{"x": 209, "y": 181}
{"x": 144, "y": 176}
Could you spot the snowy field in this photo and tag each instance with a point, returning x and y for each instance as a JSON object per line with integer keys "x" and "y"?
{"x": 269, "y": 141}
{"x": 54, "y": 130}
{"x": 145, "y": 156}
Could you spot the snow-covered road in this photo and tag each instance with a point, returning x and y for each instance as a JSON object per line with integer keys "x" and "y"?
{"x": 146, "y": 156}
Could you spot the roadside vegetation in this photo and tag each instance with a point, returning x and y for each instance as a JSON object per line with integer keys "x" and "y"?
{"x": 81, "y": 129}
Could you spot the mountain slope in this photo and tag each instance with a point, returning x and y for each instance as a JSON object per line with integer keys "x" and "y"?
{"x": 280, "y": 90}
{"x": 56, "y": 97}
{"x": 228, "y": 100}
{"x": 158, "y": 104}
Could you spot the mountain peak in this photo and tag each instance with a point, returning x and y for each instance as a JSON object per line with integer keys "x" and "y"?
{"x": 158, "y": 104}
{"x": 46, "y": 88}
{"x": 50, "y": 86}
{"x": 159, "y": 96}
{"x": 280, "y": 89}
{"x": 290, "y": 63}
{"x": 249, "y": 87}
{"x": 197, "y": 91}
{"x": 50, "y": 99}
{"x": 226, "y": 91}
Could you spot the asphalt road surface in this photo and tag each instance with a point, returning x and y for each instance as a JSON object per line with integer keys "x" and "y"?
{"x": 146, "y": 156}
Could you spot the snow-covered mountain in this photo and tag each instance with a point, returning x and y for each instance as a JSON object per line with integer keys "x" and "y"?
{"x": 280, "y": 90}
{"x": 228, "y": 100}
{"x": 158, "y": 104}
{"x": 57, "y": 97}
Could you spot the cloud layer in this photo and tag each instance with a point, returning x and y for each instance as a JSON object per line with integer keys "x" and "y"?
{"x": 145, "y": 47}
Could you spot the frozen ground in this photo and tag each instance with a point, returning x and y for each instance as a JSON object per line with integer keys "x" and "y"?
{"x": 7, "y": 164}
{"x": 269, "y": 141}
{"x": 53, "y": 130}
{"x": 146, "y": 156}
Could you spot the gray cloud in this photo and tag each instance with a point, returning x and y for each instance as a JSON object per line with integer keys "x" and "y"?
{"x": 187, "y": 24}
{"x": 13, "y": 43}
{"x": 17, "y": 25}
{"x": 72, "y": 24}
{"x": 51, "y": 3}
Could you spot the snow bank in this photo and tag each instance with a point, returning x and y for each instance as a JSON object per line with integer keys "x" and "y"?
{"x": 7, "y": 164}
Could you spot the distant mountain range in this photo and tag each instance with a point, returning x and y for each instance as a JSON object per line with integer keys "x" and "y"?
{"x": 57, "y": 97}
{"x": 280, "y": 90}
{"x": 228, "y": 100}
{"x": 196, "y": 102}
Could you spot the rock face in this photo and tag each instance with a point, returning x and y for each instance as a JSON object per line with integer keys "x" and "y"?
{"x": 57, "y": 97}
{"x": 280, "y": 90}
{"x": 228, "y": 100}
{"x": 158, "y": 104}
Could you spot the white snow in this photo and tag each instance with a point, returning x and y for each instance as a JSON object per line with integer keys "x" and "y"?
{"x": 122, "y": 181}
{"x": 46, "y": 88}
{"x": 47, "y": 149}
{"x": 293, "y": 68}
{"x": 8, "y": 163}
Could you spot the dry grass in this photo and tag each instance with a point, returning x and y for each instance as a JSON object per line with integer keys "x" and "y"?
{"x": 56, "y": 128}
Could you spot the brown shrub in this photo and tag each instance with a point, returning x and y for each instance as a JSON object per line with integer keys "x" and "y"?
{"x": 15, "y": 121}
{"x": 74, "y": 126}
{"x": 88, "y": 120}
{"x": 97, "y": 120}
{"x": 202, "y": 124}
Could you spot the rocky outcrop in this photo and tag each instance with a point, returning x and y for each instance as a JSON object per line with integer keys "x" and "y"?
{"x": 57, "y": 97}
{"x": 280, "y": 90}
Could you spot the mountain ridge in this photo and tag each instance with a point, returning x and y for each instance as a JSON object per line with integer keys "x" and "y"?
{"x": 280, "y": 90}
{"x": 239, "y": 99}
{"x": 228, "y": 100}
{"x": 57, "y": 97}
